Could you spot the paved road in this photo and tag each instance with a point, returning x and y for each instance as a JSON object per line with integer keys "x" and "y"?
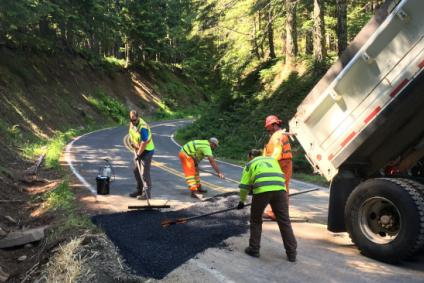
{"x": 323, "y": 256}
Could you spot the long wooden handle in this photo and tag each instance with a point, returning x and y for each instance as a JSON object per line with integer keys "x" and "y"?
{"x": 168, "y": 222}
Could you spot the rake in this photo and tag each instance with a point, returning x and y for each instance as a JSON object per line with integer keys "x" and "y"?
{"x": 169, "y": 222}
{"x": 148, "y": 206}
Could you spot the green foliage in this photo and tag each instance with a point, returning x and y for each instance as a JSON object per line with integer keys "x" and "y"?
{"x": 119, "y": 63}
{"x": 52, "y": 148}
{"x": 109, "y": 106}
{"x": 311, "y": 178}
{"x": 60, "y": 198}
{"x": 240, "y": 126}
{"x": 357, "y": 18}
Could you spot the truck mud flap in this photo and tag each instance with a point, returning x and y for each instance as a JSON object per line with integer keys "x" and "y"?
{"x": 340, "y": 188}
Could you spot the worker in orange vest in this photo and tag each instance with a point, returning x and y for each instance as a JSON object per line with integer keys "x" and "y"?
{"x": 279, "y": 148}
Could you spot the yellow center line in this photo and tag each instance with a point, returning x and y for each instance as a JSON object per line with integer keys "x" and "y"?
{"x": 170, "y": 170}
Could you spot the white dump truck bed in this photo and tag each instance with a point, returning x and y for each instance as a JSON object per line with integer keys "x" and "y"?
{"x": 334, "y": 119}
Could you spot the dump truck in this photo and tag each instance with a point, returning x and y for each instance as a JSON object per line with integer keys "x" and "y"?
{"x": 362, "y": 128}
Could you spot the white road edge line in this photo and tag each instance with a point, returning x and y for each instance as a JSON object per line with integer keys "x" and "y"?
{"x": 71, "y": 165}
{"x": 68, "y": 150}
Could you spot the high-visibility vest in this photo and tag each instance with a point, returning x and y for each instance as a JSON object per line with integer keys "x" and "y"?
{"x": 262, "y": 174}
{"x": 197, "y": 149}
{"x": 135, "y": 134}
{"x": 278, "y": 146}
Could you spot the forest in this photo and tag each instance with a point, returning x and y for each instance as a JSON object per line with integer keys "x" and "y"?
{"x": 251, "y": 58}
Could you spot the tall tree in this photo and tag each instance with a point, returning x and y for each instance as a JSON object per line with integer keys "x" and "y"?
{"x": 255, "y": 38}
{"x": 270, "y": 30}
{"x": 319, "y": 30}
{"x": 341, "y": 12}
{"x": 291, "y": 31}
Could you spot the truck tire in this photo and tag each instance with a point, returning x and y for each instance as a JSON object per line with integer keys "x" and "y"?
{"x": 385, "y": 218}
{"x": 420, "y": 188}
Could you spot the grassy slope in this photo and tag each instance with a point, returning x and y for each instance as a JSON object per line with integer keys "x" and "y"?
{"x": 42, "y": 95}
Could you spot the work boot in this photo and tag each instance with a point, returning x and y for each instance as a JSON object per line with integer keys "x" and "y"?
{"x": 135, "y": 194}
{"x": 196, "y": 194}
{"x": 201, "y": 190}
{"x": 251, "y": 252}
{"x": 291, "y": 257}
{"x": 142, "y": 197}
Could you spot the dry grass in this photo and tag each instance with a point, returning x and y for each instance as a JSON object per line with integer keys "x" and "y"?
{"x": 87, "y": 259}
{"x": 67, "y": 264}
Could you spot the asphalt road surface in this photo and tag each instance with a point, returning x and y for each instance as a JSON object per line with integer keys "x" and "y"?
{"x": 322, "y": 256}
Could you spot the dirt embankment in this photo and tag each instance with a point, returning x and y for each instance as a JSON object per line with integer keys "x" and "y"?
{"x": 41, "y": 94}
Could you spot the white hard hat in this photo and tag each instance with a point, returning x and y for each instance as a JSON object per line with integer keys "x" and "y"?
{"x": 214, "y": 141}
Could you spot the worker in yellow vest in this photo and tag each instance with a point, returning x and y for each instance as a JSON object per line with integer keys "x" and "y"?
{"x": 263, "y": 177}
{"x": 190, "y": 155}
{"x": 279, "y": 148}
{"x": 142, "y": 143}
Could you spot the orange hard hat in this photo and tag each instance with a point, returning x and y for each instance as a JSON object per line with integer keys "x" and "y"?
{"x": 272, "y": 119}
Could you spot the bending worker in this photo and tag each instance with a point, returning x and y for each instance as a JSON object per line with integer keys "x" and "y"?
{"x": 142, "y": 143}
{"x": 263, "y": 176}
{"x": 278, "y": 147}
{"x": 190, "y": 155}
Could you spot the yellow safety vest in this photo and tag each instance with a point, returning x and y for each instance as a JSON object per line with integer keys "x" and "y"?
{"x": 135, "y": 135}
{"x": 261, "y": 174}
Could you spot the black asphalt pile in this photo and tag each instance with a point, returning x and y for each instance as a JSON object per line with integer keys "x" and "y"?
{"x": 153, "y": 251}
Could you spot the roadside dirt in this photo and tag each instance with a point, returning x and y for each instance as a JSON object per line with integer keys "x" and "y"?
{"x": 20, "y": 206}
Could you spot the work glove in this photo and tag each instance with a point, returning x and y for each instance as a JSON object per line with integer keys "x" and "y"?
{"x": 240, "y": 205}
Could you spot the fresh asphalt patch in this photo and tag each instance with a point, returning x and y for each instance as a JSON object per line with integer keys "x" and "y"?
{"x": 153, "y": 251}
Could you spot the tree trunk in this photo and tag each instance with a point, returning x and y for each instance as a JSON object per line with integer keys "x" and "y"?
{"x": 341, "y": 10}
{"x": 127, "y": 54}
{"x": 260, "y": 28}
{"x": 309, "y": 46}
{"x": 254, "y": 40}
{"x": 70, "y": 34}
{"x": 319, "y": 30}
{"x": 291, "y": 32}
{"x": 270, "y": 31}
{"x": 44, "y": 28}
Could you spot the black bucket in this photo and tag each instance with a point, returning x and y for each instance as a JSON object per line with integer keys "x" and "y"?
{"x": 102, "y": 185}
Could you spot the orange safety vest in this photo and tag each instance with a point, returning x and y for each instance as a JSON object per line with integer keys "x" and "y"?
{"x": 278, "y": 146}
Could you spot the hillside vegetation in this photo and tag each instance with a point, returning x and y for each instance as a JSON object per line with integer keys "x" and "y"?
{"x": 46, "y": 96}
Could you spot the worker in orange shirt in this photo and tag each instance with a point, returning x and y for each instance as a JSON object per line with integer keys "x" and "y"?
{"x": 279, "y": 148}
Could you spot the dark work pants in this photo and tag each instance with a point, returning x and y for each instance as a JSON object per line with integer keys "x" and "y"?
{"x": 279, "y": 203}
{"x": 145, "y": 183}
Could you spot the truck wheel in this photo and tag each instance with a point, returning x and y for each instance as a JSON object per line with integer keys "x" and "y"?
{"x": 385, "y": 218}
{"x": 420, "y": 188}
